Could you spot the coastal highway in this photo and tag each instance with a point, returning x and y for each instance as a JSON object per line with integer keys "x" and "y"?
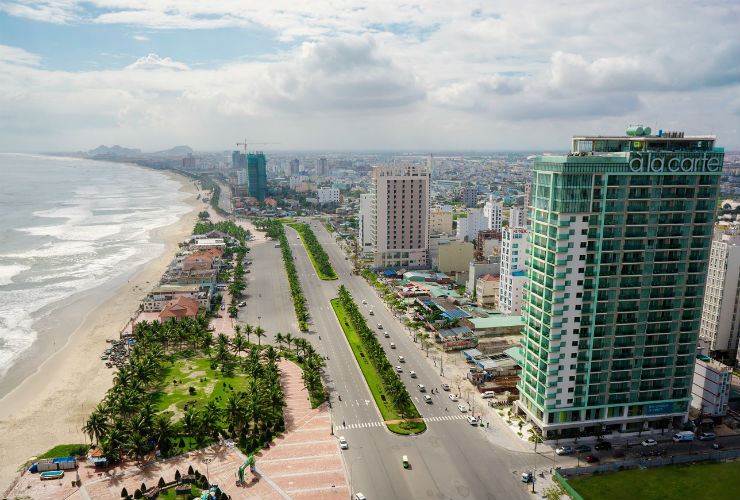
{"x": 451, "y": 459}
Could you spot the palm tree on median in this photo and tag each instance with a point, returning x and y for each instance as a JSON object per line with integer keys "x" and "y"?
{"x": 248, "y": 329}
{"x": 260, "y": 333}
{"x": 279, "y": 339}
{"x": 238, "y": 343}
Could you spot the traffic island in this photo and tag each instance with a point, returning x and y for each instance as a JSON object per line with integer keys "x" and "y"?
{"x": 390, "y": 395}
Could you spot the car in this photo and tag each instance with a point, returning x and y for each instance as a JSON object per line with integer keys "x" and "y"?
{"x": 386, "y": 335}
{"x": 242, "y": 303}
{"x": 472, "y": 420}
{"x": 223, "y": 307}
{"x": 298, "y": 237}
{"x": 650, "y": 442}
{"x": 603, "y": 445}
{"x": 488, "y": 394}
{"x": 445, "y": 387}
{"x": 277, "y": 245}
{"x": 405, "y": 462}
{"x": 582, "y": 448}
{"x": 371, "y": 312}
{"x": 453, "y": 397}
{"x": 399, "y": 369}
{"x": 592, "y": 459}
{"x": 527, "y": 476}
{"x": 564, "y": 450}
{"x": 248, "y": 271}
{"x": 401, "y": 359}
{"x": 364, "y": 301}
{"x": 707, "y": 436}
{"x": 393, "y": 346}
{"x": 462, "y": 408}
{"x": 343, "y": 443}
{"x": 428, "y": 398}
{"x": 359, "y": 496}
{"x": 421, "y": 388}
{"x": 380, "y": 327}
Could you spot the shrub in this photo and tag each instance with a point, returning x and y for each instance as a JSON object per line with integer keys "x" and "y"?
{"x": 192, "y": 391}
{"x": 177, "y": 476}
{"x": 143, "y": 487}
{"x": 124, "y": 493}
{"x": 190, "y": 470}
{"x": 137, "y": 494}
{"x": 161, "y": 482}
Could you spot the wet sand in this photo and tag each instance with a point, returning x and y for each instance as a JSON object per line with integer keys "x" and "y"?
{"x": 50, "y": 406}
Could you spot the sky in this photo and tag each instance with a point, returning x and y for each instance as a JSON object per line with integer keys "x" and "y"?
{"x": 363, "y": 75}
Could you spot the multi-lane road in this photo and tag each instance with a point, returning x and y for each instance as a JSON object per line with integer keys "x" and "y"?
{"x": 451, "y": 459}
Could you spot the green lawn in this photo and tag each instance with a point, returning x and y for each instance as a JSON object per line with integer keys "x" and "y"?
{"x": 371, "y": 376}
{"x": 66, "y": 450}
{"x": 703, "y": 481}
{"x": 207, "y": 382}
{"x": 320, "y": 274}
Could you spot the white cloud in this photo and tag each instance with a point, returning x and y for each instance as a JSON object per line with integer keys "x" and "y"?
{"x": 153, "y": 61}
{"x": 141, "y": 38}
{"x": 15, "y": 55}
{"x": 356, "y": 74}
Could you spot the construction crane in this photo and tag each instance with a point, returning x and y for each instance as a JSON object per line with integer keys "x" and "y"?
{"x": 245, "y": 144}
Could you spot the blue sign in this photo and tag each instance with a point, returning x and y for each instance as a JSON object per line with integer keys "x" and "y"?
{"x": 659, "y": 408}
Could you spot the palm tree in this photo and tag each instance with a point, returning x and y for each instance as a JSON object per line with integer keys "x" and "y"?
{"x": 288, "y": 338}
{"x": 279, "y": 340}
{"x": 191, "y": 421}
{"x": 162, "y": 431}
{"x": 260, "y": 333}
{"x": 238, "y": 343}
{"x": 96, "y": 425}
{"x": 139, "y": 446}
{"x": 248, "y": 329}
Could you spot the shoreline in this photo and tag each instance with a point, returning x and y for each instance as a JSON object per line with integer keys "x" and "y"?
{"x": 49, "y": 406}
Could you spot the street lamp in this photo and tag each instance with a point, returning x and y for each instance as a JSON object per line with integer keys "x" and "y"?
{"x": 207, "y": 461}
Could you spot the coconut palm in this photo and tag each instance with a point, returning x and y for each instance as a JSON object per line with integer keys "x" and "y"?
{"x": 238, "y": 343}
{"x": 248, "y": 329}
{"x": 96, "y": 425}
{"x": 260, "y": 333}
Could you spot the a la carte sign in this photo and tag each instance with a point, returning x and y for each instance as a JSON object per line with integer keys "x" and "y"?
{"x": 675, "y": 162}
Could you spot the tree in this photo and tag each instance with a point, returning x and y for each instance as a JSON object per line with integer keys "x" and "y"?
{"x": 124, "y": 493}
{"x": 238, "y": 343}
{"x": 177, "y": 476}
{"x": 248, "y": 329}
{"x": 96, "y": 425}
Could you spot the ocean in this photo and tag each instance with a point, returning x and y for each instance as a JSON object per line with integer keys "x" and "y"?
{"x": 69, "y": 225}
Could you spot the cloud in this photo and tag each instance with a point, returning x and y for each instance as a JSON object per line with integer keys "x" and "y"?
{"x": 153, "y": 61}
{"x": 15, "y": 55}
{"x": 141, "y": 38}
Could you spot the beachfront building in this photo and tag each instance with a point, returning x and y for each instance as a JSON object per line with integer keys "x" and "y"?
{"x": 621, "y": 231}
{"x": 202, "y": 277}
{"x": 206, "y": 243}
{"x": 400, "y": 216}
{"x": 720, "y": 320}
{"x": 513, "y": 270}
{"x": 161, "y": 295}
{"x": 205, "y": 259}
{"x": 181, "y": 307}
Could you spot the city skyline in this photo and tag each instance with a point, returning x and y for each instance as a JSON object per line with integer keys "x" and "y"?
{"x": 521, "y": 77}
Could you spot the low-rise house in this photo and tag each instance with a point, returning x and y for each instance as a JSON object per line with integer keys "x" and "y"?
{"x": 160, "y": 296}
{"x": 181, "y": 307}
{"x": 205, "y": 259}
{"x": 487, "y": 290}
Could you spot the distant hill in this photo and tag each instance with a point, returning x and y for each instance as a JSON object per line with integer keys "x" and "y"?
{"x": 178, "y": 151}
{"x": 113, "y": 151}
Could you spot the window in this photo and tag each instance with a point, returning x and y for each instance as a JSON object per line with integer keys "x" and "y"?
{"x": 585, "y": 218}
{"x": 584, "y": 232}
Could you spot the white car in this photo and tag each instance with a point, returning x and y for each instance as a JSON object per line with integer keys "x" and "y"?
{"x": 393, "y": 346}
{"x": 399, "y": 369}
{"x": 386, "y": 335}
{"x": 364, "y": 301}
{"x": 343, "y": 443}
{"x": 359, "y": 496}
{"x": 472, "y": 420}
{"x": 421, "y": 388}
{"x": 650, "y": 442}
{"x": 462, "y": 408}
{"x": 453, "y": 397}
{"x": 488, "y": 394}
{"x": 412, "y": 374}
{"x": 428, "y": 398}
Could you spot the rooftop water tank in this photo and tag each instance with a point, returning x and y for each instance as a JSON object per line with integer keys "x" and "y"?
{"x": 646, "y": 131}
{"x": 635, "y": 130}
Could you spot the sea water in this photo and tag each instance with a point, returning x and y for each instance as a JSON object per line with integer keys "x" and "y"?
{"x": 68, "y": 225}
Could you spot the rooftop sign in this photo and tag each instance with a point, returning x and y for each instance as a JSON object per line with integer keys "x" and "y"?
{"x": 652, "y": 162}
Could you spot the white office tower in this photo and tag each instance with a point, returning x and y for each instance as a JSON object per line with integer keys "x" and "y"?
{"x": 328, "y": 196}
{"x": 513, "y": 270}
{"x": 710, "y": 390}
{"x": 720, "y": 318}
{"x": 517, "y": 217}
{"x": 367, "y": 205}
{"x": 494, "y": 211}
{"x": 469, "y": 227}
{"x": 241, "y": 177}
{"x": 401, "y": 216}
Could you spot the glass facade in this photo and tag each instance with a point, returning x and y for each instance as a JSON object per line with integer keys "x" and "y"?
{"x": 619, "y": 245}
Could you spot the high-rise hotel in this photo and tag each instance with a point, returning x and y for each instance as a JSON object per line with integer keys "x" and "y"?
{"x": 620, "y": 236}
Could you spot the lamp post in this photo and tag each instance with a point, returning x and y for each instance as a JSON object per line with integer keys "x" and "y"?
{"x": 207, "y": 461}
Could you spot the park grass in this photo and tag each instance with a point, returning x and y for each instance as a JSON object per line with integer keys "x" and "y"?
{"x": 321, "y": 275}
{"x": 703, "y": 481}
{"x": 371, "y": 376}
{"x": 66, "y": 450}
{"x": 213, "y": 384}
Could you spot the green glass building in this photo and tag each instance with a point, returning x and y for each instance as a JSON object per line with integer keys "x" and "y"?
{"x": 257, "y": 175}
{"x": 620, "y": 237}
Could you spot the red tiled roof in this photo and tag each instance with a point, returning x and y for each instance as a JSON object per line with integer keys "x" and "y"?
{"x": 209, "y": 254}
{"x": 489, "y": 277}
{"x": 179, "y": 308}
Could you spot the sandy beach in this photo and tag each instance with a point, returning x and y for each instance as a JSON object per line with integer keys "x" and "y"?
{"x": 50, "y": 406}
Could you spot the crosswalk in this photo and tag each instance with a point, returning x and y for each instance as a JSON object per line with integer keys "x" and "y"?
{"x": 369, "y": 425}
